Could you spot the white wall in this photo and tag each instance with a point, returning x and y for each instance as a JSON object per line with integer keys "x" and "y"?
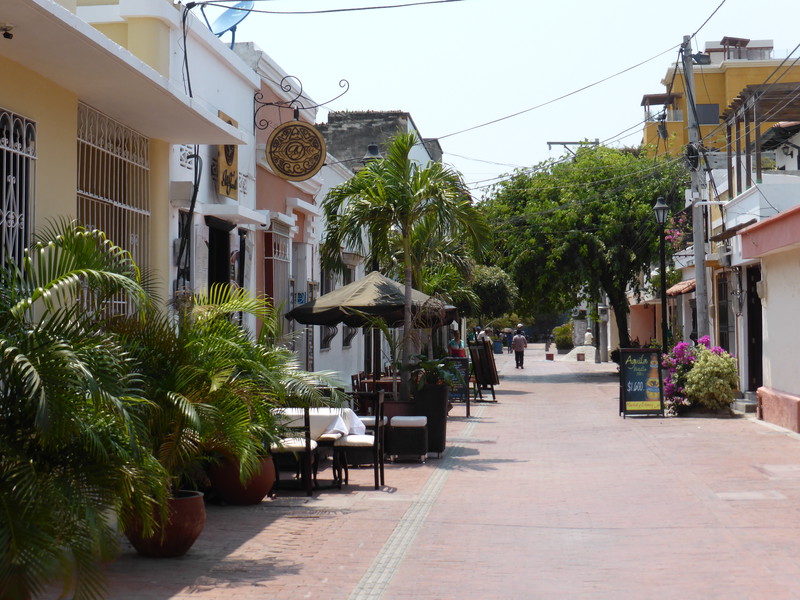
{"x": 780, "y": 272}
{"x": 343, "y": 361}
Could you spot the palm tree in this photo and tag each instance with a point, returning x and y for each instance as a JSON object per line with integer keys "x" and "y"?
{"x": 69, "y": 452}
{"x": 383, "y": 206}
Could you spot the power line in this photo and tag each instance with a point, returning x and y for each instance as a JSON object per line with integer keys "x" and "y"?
{"x": 567, "y": 95}
{"x": 221, "y": 3}
{"x": 708, "y": 19}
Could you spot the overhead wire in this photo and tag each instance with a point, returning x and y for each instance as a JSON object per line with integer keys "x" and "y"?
{"x": 567, "y": 95}
{"x": 221, "y": 3}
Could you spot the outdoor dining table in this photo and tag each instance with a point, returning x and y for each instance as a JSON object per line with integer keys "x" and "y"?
{"x": 323, "y": 420}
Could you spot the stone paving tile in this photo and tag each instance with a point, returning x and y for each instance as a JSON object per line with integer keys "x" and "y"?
{"x": 547, "y": 494}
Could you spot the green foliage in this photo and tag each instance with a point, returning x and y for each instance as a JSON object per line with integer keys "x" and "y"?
{"x": 102, "y": 415}
{"x": 653, "y": 288}
{"x": 563, "y": 335}
{"x": 699, "y": 376}
{"x": 398, "y": 213}
{"x": 582, "y": 228}
{"x": 713, "y": 380}
{"x": 450, "y": 283}
{"x": 70, "y": 453}
{"x": 434, "y": 371}
{"x": 212, "y": 386}
{"x": 496, "y": 290}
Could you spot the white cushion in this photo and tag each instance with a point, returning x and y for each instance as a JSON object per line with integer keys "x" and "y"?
{"x": 410, "y": 421}
{"x": 329, "y": 437}
{"x": 292, "y": 445}
{"x": 355, "y": 440}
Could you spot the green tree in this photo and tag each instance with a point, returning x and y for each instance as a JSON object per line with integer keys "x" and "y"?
{"x": 583, "y": 228}
{"x": 496, "y": 290}
{"x": 378, "y": 211}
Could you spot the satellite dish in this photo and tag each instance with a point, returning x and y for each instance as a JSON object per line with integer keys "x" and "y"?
{"x": 228, "y": 20}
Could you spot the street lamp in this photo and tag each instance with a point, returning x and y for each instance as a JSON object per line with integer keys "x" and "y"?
{"x": 661, "y": 210}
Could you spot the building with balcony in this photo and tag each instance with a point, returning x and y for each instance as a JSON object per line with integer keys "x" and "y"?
{"x": 88, "y": 120}
{"x": 720, "y": 72}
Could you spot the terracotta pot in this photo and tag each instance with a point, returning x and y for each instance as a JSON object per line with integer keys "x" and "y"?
{"x": 187, "y": 516}
{"x": 226, "y": 482}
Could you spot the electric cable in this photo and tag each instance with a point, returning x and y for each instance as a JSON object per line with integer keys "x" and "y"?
{"x": 219, "y": 3}
{"x": 567, "y": 95}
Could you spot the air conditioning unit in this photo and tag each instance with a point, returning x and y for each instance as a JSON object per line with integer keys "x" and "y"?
{"x": 724, "y": 260}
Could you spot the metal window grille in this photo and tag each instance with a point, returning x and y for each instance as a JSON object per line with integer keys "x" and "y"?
{"x": 114, "y": 183}
{"x": 327, "y": 333}
{"x": 349, "y": 333}
{"x": 18, "y": 173}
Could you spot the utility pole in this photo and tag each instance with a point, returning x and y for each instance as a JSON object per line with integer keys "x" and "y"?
{"x": 698, "y": 186}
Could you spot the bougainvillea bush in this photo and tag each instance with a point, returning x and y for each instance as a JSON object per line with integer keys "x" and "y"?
{"x": 699, "y": 376}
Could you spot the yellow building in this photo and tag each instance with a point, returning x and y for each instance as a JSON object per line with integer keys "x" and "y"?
{"x": 731, "y": 65}
{"x": 87, "y": 120}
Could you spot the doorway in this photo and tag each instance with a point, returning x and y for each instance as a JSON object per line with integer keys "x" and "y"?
{"x": 755, "y": 344}
{"x": 219, "y": 251}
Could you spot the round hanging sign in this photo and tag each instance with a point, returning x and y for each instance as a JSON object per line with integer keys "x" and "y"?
{"x": 295, "y": 151}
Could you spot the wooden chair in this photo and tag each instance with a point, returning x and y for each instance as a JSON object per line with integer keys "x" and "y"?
{"x": 365, "y": 449}
{"x": 298, "y": 453}
{"x": 355, "y": 383}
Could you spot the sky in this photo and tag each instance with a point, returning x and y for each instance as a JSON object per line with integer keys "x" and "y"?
{"x": 459, "y": 64}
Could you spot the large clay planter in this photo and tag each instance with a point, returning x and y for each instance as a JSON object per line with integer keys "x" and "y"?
{"x": 432, "y": 401}
{"x": 226, "y": 482}
{"x": 187, "y": 516}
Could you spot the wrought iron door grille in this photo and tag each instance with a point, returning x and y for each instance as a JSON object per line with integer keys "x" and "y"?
{"x": 18, "y": 178}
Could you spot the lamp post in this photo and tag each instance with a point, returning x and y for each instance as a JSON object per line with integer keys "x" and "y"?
{"x": 661, "y": 210}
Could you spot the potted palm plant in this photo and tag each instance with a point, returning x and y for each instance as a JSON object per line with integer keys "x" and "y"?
{"x": 70, "y": 438}
{"x": 200, "y": 404}
{"x": 213, "y": 390}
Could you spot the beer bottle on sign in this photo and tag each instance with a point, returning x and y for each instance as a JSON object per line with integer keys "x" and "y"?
{"x": 652, "y": 387}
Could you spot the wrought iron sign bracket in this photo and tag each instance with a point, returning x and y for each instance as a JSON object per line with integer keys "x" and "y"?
{"x": 295, "y": 104}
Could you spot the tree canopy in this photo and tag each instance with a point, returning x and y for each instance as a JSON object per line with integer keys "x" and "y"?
{"x": 582, "y": 228}
{"x": 496, "y": 290}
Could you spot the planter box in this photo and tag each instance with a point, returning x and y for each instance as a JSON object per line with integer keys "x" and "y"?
{"x": 779, "y": 408}
{"x": 432, "y": 401}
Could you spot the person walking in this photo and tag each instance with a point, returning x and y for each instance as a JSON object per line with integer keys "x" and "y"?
{"x": 519, "y": 343}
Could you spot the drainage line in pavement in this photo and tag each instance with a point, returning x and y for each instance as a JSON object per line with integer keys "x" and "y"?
{"x": 380, "y": 573}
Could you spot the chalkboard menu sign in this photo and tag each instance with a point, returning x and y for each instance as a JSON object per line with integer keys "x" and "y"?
{"x": 483, "y": 363}
{"x": 641, "y": 389}
{"x": 460, "y": 393}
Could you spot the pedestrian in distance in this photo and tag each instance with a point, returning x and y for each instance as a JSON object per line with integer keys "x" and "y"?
{"x": 456, "y": 345}
{"x": 509, "y": 339}
{"x": 519, "y": 343}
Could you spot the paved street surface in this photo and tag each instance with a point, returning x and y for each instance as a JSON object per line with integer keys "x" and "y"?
{"x": 547, "y": 493}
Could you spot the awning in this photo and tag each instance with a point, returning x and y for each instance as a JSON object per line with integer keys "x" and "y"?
{"x": 729, "y": 233}
{"x": 684, "y": 287}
